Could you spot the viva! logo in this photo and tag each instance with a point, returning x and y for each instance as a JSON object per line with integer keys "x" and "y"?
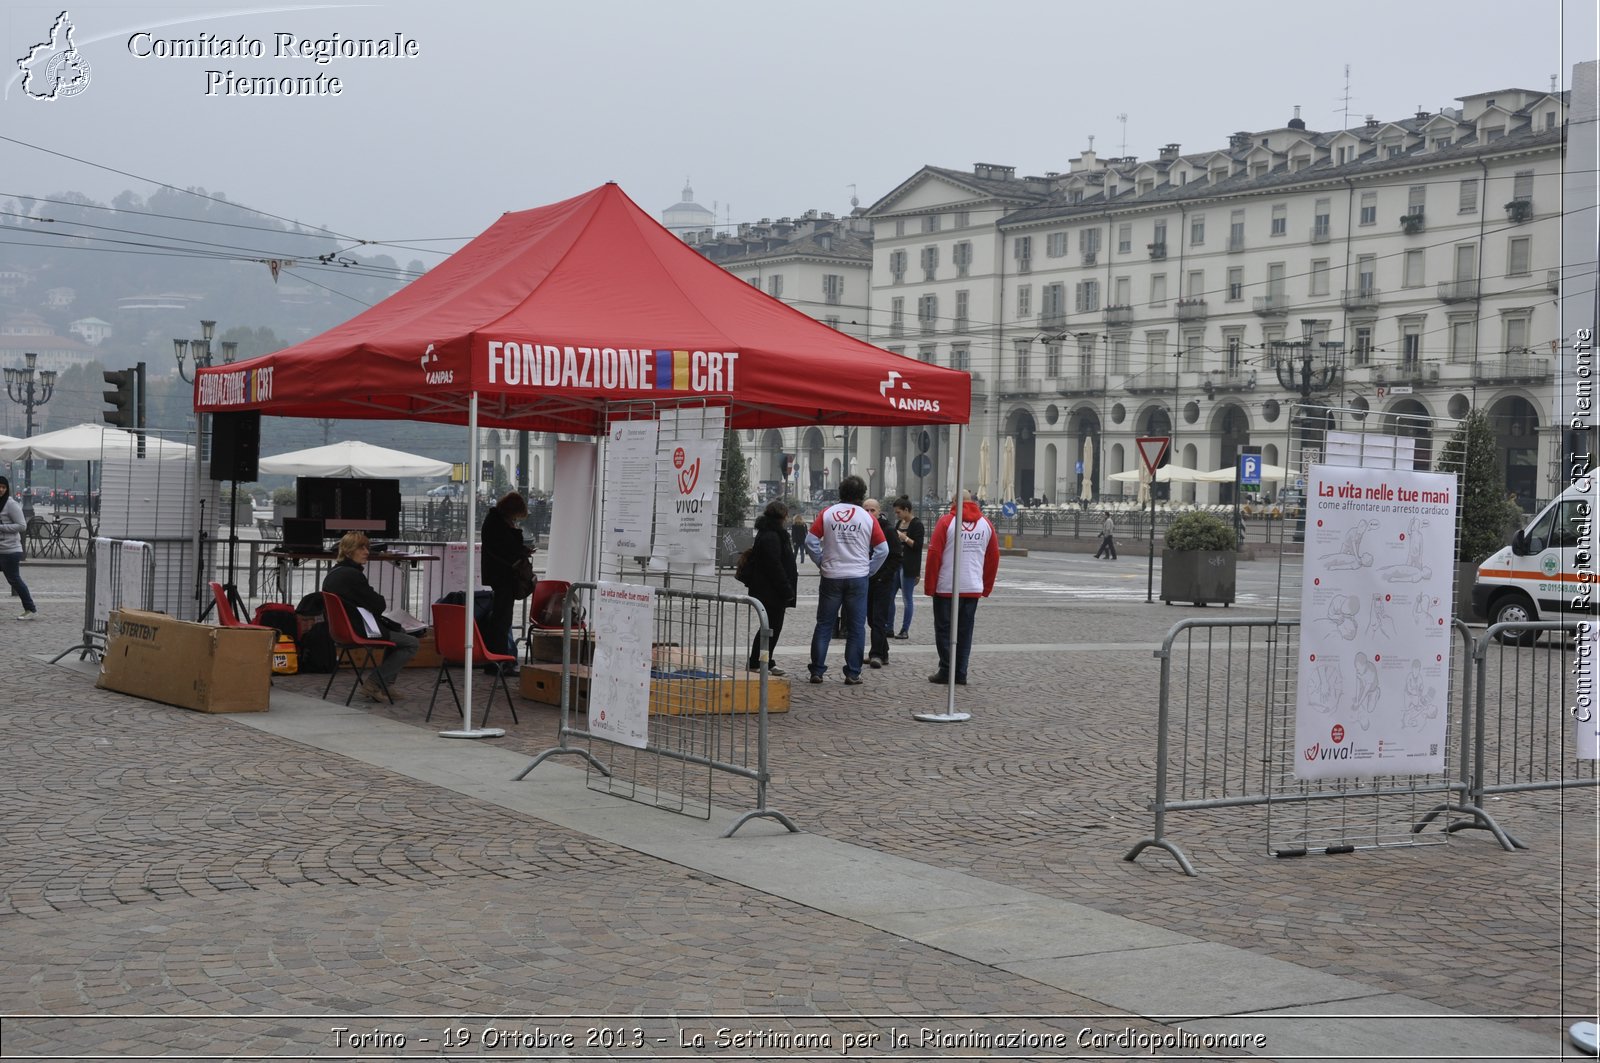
{"x": 688, "y": 478}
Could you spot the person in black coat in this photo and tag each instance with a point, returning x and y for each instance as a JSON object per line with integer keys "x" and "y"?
{"x": 502, "y": 549}
{"x": 348, "y": 579}
{"x": 772, "y": 578}
{"x": 882, "y": 589}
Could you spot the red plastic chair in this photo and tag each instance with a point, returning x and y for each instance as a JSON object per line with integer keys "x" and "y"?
{"x": 347, "y": 641}
{"x": 226, "y": 617}
{"x": 449, "y": 639}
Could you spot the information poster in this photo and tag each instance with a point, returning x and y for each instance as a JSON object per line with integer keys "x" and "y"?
{"x": 629, "y": 509}
{"x": 1375, "y": 634}
{"x": 619, "y": 677}
{"x": 686, "y": 500}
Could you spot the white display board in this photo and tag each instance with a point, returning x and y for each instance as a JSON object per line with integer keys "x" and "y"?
{"x": 628, "y": 506}
{"x": 619, "y": 676}
{"x": 687, "y": 486}
{"x": 572, "y": 532}
{"x": 1375, "y": 633}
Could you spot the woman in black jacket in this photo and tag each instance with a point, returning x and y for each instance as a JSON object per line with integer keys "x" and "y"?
{"x": 502, "y": 549}
{"x": 772, "y": 578}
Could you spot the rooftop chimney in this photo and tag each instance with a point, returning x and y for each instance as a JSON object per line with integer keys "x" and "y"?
{"x": 1295, "y": 122}
{"x": 1169, "y": 153}
{"x": 1372, "y": 123}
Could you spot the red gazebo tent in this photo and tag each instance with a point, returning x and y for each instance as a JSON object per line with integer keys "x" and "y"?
{"x": 554, "y": 317}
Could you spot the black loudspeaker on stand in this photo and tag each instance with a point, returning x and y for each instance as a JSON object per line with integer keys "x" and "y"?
{"x": 236, "y": 446}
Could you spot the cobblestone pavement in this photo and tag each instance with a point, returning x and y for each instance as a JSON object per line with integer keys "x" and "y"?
{"x": 168, "y": 863}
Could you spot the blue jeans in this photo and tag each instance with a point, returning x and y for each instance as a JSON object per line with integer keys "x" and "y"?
{"x": 11, "y": 567}
{"x": 967, "y": 615}
{"x": 851, "y": 596}
{"x": 908, "y": 594}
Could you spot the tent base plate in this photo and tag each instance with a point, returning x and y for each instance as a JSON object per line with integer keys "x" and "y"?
{"x": 941, "y": 717}
{"x": 476, "y": 732}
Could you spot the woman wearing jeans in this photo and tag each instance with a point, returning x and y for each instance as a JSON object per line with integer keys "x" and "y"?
{"x": 912, "y": 534}
{"x": 12, "y": 525}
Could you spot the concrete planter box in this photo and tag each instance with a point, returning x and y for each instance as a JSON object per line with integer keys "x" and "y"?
{"x": 1204, "y": 577}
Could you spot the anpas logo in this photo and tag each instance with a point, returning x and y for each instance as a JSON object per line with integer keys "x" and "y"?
{"x": 54, "y": 69}
{"x": 893, "y": 383}
{"x": 435, "y": 376}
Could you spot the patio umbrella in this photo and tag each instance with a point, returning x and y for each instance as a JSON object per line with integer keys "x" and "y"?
{"x": 1273, "y": 473}
{"x": 983, "y": 470}
{"x": 802, "y": 477}
{"x": 1086, "y": 493}
{"x": 351, "y": 457}
{"x": 90, "y": 442}
{"x": 949, "y": 471}
{"x": 891, "y": 477}
{"x": 1165, "y": 475}
{"x": 1144, "y": 487}
{"x": 1008, "y": 469}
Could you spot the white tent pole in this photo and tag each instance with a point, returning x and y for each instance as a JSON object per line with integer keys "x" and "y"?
{"x": 469, "y": 625}
{"x": 955, "y": 577}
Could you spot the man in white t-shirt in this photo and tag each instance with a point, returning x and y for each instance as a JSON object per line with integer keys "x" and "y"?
{"x": 955, "y": 591}
{"x": 848, "y": 546}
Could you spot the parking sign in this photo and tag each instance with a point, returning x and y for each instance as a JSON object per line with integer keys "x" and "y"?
{"x": 1250, "y": 469}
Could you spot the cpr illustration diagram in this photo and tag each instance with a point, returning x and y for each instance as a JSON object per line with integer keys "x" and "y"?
{"x": 1375, "y": 632}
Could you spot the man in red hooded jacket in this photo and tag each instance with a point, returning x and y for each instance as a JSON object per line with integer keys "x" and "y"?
{"x": 966, "y": 574}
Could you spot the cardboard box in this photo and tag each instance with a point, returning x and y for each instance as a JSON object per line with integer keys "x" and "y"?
{"x": 193, "y": 666}
{"x": 668, "y": 697}
{"x": 546, "y": 646}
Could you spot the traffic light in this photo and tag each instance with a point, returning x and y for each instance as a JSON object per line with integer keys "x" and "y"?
{"x": 124, "y": 398}
{"x": 788, "y": 466}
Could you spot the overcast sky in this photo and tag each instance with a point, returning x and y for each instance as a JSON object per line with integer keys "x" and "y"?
{"x": 770, "y": 109}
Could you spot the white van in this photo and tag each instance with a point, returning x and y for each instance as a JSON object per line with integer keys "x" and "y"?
{"x": 1547, "y": 573}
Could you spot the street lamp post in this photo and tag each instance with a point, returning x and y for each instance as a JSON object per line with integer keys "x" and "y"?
{"x": 199, "y": 352}
{"x": 31, "y": 387}
{"x": 1294, "y": 364}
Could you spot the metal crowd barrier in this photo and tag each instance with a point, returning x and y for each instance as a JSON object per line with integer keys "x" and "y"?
{"x": 1224, "y": 739}
{"x": 708, "y": 726}
{"x": 1523, "y": 738}
{"x": 119, "y": 574}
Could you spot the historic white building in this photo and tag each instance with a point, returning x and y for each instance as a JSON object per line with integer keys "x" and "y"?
{"x": 1420, "y": 257}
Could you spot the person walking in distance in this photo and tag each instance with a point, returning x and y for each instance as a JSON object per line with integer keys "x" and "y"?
{"x": 882, "y": 589}
{"x": 1108, "y": 541}
{"x": 797, "y": 533}
{"x": 12, "y": 526}
{"x": 909, "y": 529}
{"x": 772, "y": 578}
{"x": 848, "y": 546}
{"x": 979, "y": 560}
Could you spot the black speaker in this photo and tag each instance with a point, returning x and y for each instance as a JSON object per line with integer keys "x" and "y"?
{"x": 235, "y": 445}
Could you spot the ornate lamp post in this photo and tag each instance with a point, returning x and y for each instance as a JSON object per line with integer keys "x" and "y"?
{"x": 199, "y": 352}
{"x": 1296, "y": 367}
{"x": 31, "y": 387}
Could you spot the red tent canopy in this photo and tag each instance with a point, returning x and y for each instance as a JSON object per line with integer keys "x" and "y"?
{"x": 554, "y": 314}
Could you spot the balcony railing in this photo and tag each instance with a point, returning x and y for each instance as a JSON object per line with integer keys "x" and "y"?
{"x": 1462, "y": 291}
{"x": 1515, "y": 366}
{"x": 960, "y": 324}
{"x": 1152, "y": 381}
{"x": 1157, "y": 251}
{"x": 1413, "y": 223}
{"x": 1235, "y": 243}
{"x": 1320, "y": 234}
{"x": 1234, "y": 379}
{"x": 1052, "y": 320}
{"x": 1191, "y": 309}
{"x": 979, "y": 388}
{"x": 1414, "y": 372}
{"x": 1552, "y": 280}
{"x": 1275, "y": 304}
{"x": 1090, "y": 257}
{"x": 897, "y": 328}
{"x": 1080, "y": 383}
{"x": 1021, "y": 387}
{"x": 1360, "y": 298}
{"x": 1119, "y": 315}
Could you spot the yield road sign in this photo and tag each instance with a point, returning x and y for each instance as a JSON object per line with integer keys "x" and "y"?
{"x": 1151, "y": 448}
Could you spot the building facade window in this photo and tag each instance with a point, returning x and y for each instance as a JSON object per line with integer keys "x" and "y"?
{"x": 927, "y": 312}
{"x": 961, "y": 254}
{"x": 1155, "y": 349}
{"x": 930, "y": 263}
{"x": 1233, "y": 347}
{"x": 961, "y": 219}
{"x": 897, "y": 315}
{"x": 1158, "y": 289}
{"x": 1369, "y": 208}
{"x": 961, "y": 356}
{"x": 833, "y": 288}
{"x": 1322, "y": 219}
{"x": 962, "y": 302}
{"x": 1467, "y": 197}
{"x": 1514, "y": 328}
{"x": 1197, "y": 285}
{"x": 1025, "y": 301}
{"x": 1236, "y": 230}
{"x": 831, "y": 321}
{"x": 899, "y": 226}
{"x": 1055, "y": 245}
{"x": 1158, "y": 234}
{"x": 775, "y": 286}
{"x": 1122, "y": 294}
{"x": 1088, "y": 244}
{"x": 1522, "y": 185}
{"x": 1463, "y": 343}
{"x": 1412, "y": 270}
{"x": 1519, "y": 250}
{"x": 1417, "y": 199}
{"x": 1125, "y": 238}
{"x": 1361, "y": 344}
{"x": 930, "y": 223}
{"x": 897, "y": 266}
{"x": 1086, "y": 298}
{"x": 1197, "y": 230}
{"x": 1411, "y": 343}
{"x": 1319, "y": 276}
{"x": 1235, "y": 283}
{"x": 1052, "y": 360}
{"x": 1366, "y": 273}
{"x": 1053, "y": 305}
{"x": 1280, "y": 219}
{"x": 1022, "y": 252}
{"x": 1023, "y": 359}
{"x": 928, "y": 353}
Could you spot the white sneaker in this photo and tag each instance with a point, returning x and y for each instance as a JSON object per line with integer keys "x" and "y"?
{"x": 28, "y": 616}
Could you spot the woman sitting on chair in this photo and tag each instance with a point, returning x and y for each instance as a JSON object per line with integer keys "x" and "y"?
{"x": 348, "y": 580}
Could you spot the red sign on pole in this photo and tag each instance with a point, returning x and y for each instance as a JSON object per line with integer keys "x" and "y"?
{"x": 1151, "y": 449}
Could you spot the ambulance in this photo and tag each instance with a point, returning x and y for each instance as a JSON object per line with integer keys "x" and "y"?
{"x": 1547, "y": 573}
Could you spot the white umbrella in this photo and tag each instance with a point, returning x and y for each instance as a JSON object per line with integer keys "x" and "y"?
{"x": 891, "y": 477}
{"x": 1273, "y": 473}
{"x": 802, "y": 478}
{"x": 983, "y": 470}
{"x": 1166, "y": 474}
{"x": 1087, "y": 492}
{"x": 1144, "y": 486}
{"x": 1008, "y": 469}
{"x": 352, "y": 457}
{"x": 90, "y": 442}
{"x": 949, "y": 470}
